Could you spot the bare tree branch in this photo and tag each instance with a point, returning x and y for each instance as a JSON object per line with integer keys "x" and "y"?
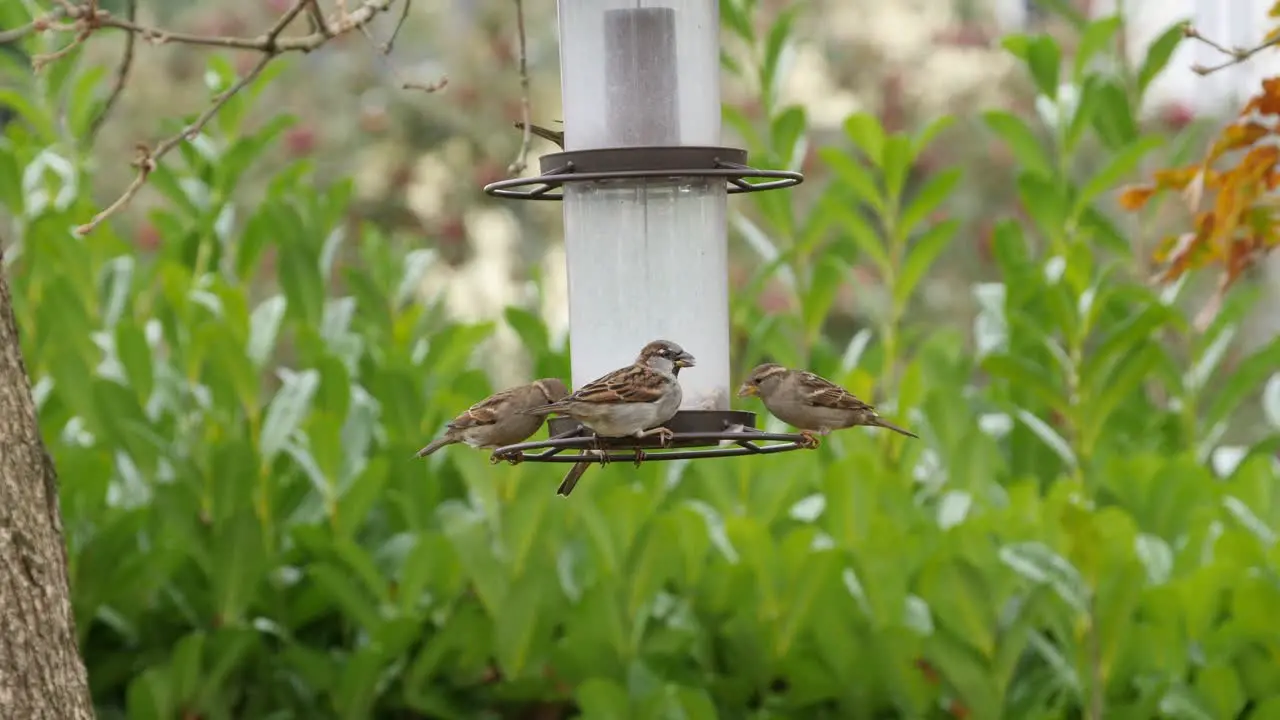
{"x": 122, "y": 75}
{"x": 385, "y": 48}
{"x": 1235, "y": 55}
{"x": 522, "y": 157}
{"x": 88, "y": 18}
{"x": 44, "y": 22}
{"x": 404, "y": 15}
{"x": 147, "y": 158}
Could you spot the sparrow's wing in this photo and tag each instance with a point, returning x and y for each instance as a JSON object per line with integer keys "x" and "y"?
{"x": 820, "y": 392}
{"x": 485, "y": 412}
{"x": 632, "y": 384}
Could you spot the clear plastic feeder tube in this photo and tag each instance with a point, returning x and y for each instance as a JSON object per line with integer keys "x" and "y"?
{"x": 647, "y": 258}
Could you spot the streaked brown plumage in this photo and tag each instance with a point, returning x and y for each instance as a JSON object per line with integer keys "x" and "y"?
{"x": 633, "y": 401}
{"x": 810, "y": 402}
{"x": 502, "y": 418}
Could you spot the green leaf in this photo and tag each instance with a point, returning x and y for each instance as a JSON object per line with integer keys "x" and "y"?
{"x": 530, "y": 328}
{"x": 1244, "y": 381}
{"x": 787, "y": 130}
{"x": 737, "y": 16}
{"x": 930, "y": 196}
{"x": 1038, "y": 563}
{"x": 1023, "y": 375}
{"x": 1021, "y": 140}
{"x": 1045, "y": 204}
{"x": 1097, "y": 37}
{"x": 961, "y": 600}
{"x": 828, "y": 275}
{"x": 896, "y": 164}
{"x": 1159, "y": 53}
{"x": 41, "y": 122}
{"x": 1120, "y": 165}
{"x": 264, "y": 326}
{"x": 135, "y": 355}
{"x": 777, "y": 40}
{"x": 854, "y": 177}
{"x": 813, "y": 572}
{"x": 603, "y": 699}
{"x": 1049, "y": 436}
{"x": 286, "y": 411}
{"x": 926, "y": 136}
{"x": 515, "y": 629}
{"x": 82, "y": 105}
{"x": 865, "y": 131}
{"x": 924, "y": 251}
{"x": 1041, "y": 55}
{"x": 1113, "y": 117}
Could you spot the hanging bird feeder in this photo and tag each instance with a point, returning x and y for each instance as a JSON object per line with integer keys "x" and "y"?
{"x": 645, "y": 186}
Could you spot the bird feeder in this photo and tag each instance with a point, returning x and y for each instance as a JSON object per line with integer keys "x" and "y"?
{"x": 645, "y": 183}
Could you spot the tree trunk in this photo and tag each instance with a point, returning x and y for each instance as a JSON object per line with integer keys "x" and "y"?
{"x": 41, "y": 674}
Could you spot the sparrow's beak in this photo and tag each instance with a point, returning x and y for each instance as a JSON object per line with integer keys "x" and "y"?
{"x": 748, "y": 390}
{"x": 684, "y": 360}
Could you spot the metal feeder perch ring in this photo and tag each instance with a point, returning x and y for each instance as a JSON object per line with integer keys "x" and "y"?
{"x": 697, "y": 434}
{"x": 631, "y": 163}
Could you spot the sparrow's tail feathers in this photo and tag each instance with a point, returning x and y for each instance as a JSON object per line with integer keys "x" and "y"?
{"x": 571, "y": 478}
{"x": 435, "y": 445}
{"x": 542, "y": 409}
{"x": 881, "y": 422}
{"x": 544, "y": 133}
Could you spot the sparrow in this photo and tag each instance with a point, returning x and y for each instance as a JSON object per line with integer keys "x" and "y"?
{"x": 633, "y": 401}
{"x": 500, "y": 419}
{"x": 809, "y": 402}
{"x": 555, "y": 136}
{"x": 571, "y": 478}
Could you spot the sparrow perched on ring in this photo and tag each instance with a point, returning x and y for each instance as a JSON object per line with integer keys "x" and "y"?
{"x": 575, "y": 473}
{"x": 633, "y": 401}
{"x": 809, "y": 402}
{"x": 502, "y": 418}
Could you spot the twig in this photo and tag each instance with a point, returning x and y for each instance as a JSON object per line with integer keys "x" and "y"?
{"x": 122, "y": 76}
{"x": 148, "y": 159}
{"x": 430, "y": 87}
{"x": 39, "y": 61}
{"x": 522, "y": 157}
{"x": 404, "y": 15}
{"x": 385, "y": 48}
{"x": 317, "y": 17}
{"x": 88, "y": 17}
{"x": 1236, "y": 55}
{"x": 38, "y": 25}
{"x": 263, "y": 43}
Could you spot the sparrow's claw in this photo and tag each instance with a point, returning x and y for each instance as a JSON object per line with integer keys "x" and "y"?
{"x": 810, "y": 441}
{"x": 494, "y": 459}
{"x": 639, "y": 458}
{"x": 664, "y": 436}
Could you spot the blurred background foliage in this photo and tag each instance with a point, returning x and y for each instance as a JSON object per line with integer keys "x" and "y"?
{"x": 233, "y": 376}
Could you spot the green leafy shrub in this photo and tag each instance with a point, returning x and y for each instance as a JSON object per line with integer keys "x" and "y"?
{"x": 248, "y": 537}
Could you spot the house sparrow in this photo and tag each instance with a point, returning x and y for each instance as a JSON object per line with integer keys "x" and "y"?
{"x": 575, "y": 473}
{"x": 555, "y": 136}
{"x": 633, "y": 401}
{"x": 809, "y": 402}
{"x": 501, "y": 419}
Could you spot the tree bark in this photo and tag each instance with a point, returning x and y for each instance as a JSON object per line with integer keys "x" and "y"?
{"x": 41, "y": 673}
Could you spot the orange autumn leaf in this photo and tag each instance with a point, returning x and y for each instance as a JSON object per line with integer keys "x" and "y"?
{"x": 1135, "y": 197}
{"x": 1267, "y": 102}
{"x": 1177, "y": 178}
{"x": 1238, "y": 136}
{"x": 1274, "y": 11}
